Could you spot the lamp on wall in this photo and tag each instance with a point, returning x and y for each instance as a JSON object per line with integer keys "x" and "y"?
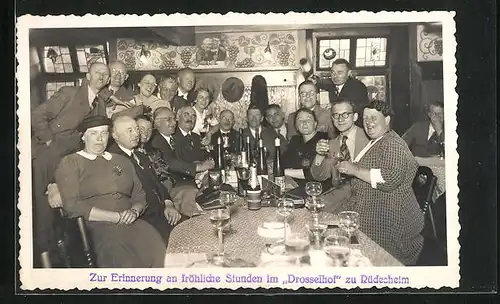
{"x": 145, "y": 54}
{"x": 52, "y": 55}
{"x": 267, "y": 52}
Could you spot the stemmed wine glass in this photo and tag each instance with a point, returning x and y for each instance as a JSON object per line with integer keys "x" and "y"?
{"x": 336, "y": 247}
{"x": 284, "y": 209}
{"x": 219, "y": 218}
{"x": 349, "y": 222}
{"x": 313, "y": 203}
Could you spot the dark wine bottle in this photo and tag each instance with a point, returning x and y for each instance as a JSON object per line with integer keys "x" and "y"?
{"x": 278, "y": 171}
{"x": 254, "y": 190}
{"x": 249, "y": 152}
{"x": 261, "y": 162}
{"x": 219, "y": 160}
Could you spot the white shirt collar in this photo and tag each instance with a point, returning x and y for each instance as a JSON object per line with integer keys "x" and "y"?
{"x": 128, "y": 151}
{"x": 282, "y": 130}
{"x": 106, "y": 155}
{"x": 340, "y": 86}
{"x": 224, "y": 132}
{"x": 183, "y": 95}
{"x": 92, "y": 95}
{"x": 253, "y": 131}
{"x": 184, "y": 133}
{"x": 431, "y": 131}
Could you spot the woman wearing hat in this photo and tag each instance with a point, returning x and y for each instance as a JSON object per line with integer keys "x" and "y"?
{"x": 104, "y": 189}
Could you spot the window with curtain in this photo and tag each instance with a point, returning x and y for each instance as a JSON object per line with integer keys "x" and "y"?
{"x": 57, "y": 59}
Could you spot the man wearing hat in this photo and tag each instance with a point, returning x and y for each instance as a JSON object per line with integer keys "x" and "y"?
{"x": 54, "y": 124}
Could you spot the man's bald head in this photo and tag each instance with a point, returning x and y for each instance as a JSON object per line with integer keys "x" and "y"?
{"x": 98, "y": 76}
{"x": 125, "y": 132}
{"x": 119, "y": 74}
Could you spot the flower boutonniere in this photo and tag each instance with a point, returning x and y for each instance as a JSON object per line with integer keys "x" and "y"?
{"x": 117, "y": 170}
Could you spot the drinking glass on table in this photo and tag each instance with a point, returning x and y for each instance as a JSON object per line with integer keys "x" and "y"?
{"x": 349, "y": 222}
{"x": 297, "y": 245}
{"x": 341, "y": 176}
{"x": 313, "y": 189}
{"x": 219, "y": 218}
{"x": 227, "y": 199}
{"x": 315, "y": 206}
{"x": 441, "y": 150}
{"x": 336, "y": 247}
{"x": 284, "y": 209}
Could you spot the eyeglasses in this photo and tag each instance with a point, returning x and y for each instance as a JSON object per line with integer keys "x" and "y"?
{"x": 307, "y": 94}
{"x": 344, "y": 115}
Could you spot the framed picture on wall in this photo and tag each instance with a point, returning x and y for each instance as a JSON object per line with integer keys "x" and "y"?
{"x": 211, "y": 50}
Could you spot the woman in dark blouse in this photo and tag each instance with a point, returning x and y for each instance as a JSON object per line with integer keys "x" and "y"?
{"x": 301, "y": 150}
{"x": 104, "y": 189}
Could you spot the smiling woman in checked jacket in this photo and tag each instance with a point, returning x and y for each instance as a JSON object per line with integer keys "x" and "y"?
{"x": 382, "y": 188}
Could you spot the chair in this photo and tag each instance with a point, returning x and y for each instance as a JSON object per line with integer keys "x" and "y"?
{"x": 73, "y": 242}
{"x": 423, "y": 186}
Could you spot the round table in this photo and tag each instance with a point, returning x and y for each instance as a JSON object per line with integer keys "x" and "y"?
{"x": 437, "y": 165}
{"x": 197, "y": 235}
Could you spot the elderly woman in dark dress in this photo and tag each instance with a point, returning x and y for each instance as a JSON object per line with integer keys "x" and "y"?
{"x": 298, "y": 157}
{"x": 104, "y": 189}
{"x": 382, "y": 187}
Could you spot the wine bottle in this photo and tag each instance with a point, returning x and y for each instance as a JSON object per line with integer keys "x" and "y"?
{"x": 249, "y": 153}
{"x": 278, "y": 171}
{"x": 254, "y": 190}
{"x": 243, "y": 157}
{"x": 262, "y": 163}
{"x": 219, "y": 160}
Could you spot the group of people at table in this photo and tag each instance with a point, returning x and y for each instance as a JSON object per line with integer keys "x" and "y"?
{"x": 129, "y": 164}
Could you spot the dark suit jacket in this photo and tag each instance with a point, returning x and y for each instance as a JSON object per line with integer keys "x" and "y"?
{"x": 268, "y": 136}
{"x": 178, "y": 102}
{"x": 57, "y": 120}
{"x": 353, "y": 90}
{"x": 416, "y": 138}
{"x": 189, "y": 152}
{"x": 124, "y": 94}
{"x": 233, "y": 140}
{"x": 156, "y": 193}
{"x": 181, "y": 170}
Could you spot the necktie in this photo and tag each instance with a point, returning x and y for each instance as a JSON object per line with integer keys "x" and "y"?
{"x": 344, "y": 151}
{"x": 172, "y": 143}
{"x": 336, "y": 90}
{"x": 95, "y": 102}
{"x": 190, "y": 139}
{"x": 135, "y": 158}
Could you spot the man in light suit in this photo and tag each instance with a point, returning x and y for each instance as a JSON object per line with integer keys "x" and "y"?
{"x": 349, "y": 143}
{"x": 54, "y": 127}
{"x": 308, "y": 97}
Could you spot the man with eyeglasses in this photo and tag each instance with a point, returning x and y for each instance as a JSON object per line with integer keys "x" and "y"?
{"x": 351, "y": 140}
{"x": 308, "y": 98}
{"x": 118, "y": 77}
{"x": 424, "y": 138}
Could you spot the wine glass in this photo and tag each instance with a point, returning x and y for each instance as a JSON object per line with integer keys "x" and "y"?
{"x": 284, "y": 210}
{"x": 316, "y": 233}
{"x": 243, "y": 174}
{"x": 336, "y": 248}
{"x": 315, "y": 206}
{"x": 313, "y": 189}
{"x": 349, "y": 222}
{"x": 297, "y": 245}
{"x": 219, "y": 218}
{"x": 340, "y": 175}
{"x": 227, "y": 199}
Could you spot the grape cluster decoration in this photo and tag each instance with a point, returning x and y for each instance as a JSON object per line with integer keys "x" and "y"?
{"x": 186, "y": 55}
{"x": 245, "y": 63}
{"x": 232, "y": 52}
